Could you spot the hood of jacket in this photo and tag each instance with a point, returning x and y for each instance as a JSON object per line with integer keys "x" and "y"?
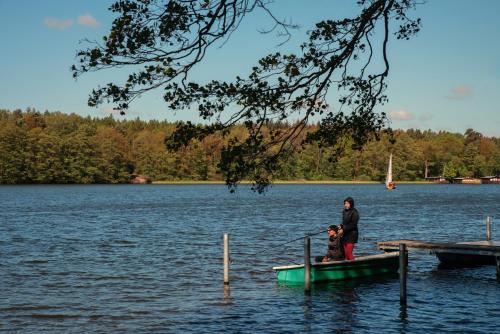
{"x": 351, "y": 201}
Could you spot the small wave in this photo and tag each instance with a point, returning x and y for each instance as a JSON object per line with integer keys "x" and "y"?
{"x": 96, "y": 317}
{"x": 139, "y": 299}
{"x": 102, "y": 278}
{"x": 57, "y": 285}
{"x": 36, "y": 261}
{"x": 124, "y": 242}
{"x": 29, "y": 308}
{"x": 54, "y": 316}
{"x": 121, "y": 317}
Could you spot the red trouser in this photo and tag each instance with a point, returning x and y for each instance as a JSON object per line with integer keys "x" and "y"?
{"x": 348, "y": 251}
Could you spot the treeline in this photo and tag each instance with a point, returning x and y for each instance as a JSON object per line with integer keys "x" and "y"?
{"x": 54, "y": 147}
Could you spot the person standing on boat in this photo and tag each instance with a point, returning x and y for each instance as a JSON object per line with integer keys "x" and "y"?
{"x": 349, "y": 227}
{"x": 335, "y": 250}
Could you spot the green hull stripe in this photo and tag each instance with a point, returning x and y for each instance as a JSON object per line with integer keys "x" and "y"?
{"x": 343, "y": 271}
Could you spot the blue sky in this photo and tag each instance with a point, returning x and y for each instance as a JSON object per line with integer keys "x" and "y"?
{"x": 447, "y": 78}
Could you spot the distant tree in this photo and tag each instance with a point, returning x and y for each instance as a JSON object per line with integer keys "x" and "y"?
{"x": 448, "y": 146}
{"x": 197, "y": 161}
{"x": 470, "y": 155}
{"x": 408, "y": 157}
{"x": 150, "y": 156}
{"x": 494, "y": 161}
{"x": 13, "y": 145}
{"x": 113, "y": 163}
{"x": 62, "y": 148}
{"x": 212, "y": 146}
{"x": 80, "y": 156}
{"x": 428, "y": 149}
{"x": 454, "y": 168}
{"x": 472, "y": 137}
{"x": 44, "y": 158}
{"x": 163, "y": 41}
{"x": 375, "y": 159}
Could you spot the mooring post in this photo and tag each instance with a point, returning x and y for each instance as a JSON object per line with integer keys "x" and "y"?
{"x": 403, "y": 260}
{"x": 488, "y": 228}
{"x": 307, "y": 264}
{"x": 226, "y": 258}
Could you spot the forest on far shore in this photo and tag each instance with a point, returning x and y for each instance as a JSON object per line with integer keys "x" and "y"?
{"x": 54, "y": 147}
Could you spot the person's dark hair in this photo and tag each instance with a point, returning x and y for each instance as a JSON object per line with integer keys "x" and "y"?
{"x": 333, "y": 227}
{"x": 350, "y": 200}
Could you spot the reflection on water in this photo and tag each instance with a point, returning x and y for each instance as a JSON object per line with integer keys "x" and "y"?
{"x": 403, "y": 314}
{"x": 148, "y": 259}
{"x": 227, "y": 294}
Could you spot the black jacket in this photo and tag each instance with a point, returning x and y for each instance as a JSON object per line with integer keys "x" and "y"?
{"x": 350, "y": 220}
{"x": 335, "y": 249}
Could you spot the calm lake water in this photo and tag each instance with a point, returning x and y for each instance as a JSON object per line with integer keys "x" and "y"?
{"x": 148, "y": 259}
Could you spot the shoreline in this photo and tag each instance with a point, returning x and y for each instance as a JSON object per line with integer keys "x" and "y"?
{"x": 246, "y": 182}
{"x": 291, "y": 182}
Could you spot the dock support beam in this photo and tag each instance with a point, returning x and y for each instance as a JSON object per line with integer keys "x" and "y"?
{"x": 488, "y": 228}
{"x": 307, "y": 264}
{"x": 403, "y": 260}
{"x": 226, "y": 258}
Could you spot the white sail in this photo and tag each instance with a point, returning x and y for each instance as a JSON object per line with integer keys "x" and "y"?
{"x": 388, "y": 179}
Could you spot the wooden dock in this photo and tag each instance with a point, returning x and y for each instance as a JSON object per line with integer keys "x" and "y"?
{"x": 477, "y": 250}
{"x": 491, "y": 248}
{"x": 482, "y": 252}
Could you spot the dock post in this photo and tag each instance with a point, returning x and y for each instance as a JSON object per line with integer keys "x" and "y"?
{"x": 226, "y": 259}
{"x": 488, "y": 228}
{"x": 307, "y": 264}
{"x": 403, "y": 259}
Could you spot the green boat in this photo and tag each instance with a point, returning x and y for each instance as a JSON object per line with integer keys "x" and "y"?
{"x": 362, "y": 266}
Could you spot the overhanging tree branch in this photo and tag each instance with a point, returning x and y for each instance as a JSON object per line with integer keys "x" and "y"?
{"x": 164, "y": 40}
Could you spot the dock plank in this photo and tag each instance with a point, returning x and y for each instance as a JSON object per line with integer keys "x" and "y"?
{"x": 474, "y": 247}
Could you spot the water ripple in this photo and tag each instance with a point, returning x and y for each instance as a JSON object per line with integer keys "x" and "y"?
{"x": 84, "y": 259}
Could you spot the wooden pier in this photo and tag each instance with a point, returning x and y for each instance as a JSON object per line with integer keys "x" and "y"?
{"x": 474, "y": 252}
{"x": 488, "y": 250}
{"x": 482, "y": 247}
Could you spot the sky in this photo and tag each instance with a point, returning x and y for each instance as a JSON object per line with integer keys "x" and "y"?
{"x": 446, "y": 78}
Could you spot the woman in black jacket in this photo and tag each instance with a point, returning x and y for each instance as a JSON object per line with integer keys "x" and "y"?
{"x": 350, "y": 218}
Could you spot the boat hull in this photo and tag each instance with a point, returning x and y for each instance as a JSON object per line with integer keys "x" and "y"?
{"x": 453, "y": 259}
{"x": 373, "y": 265}
{"x": 390, "y": 186}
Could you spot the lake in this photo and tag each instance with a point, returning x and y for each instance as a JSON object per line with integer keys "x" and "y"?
{"x": 148, "y": 259}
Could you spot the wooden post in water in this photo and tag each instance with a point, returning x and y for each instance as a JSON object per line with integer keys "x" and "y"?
{"x": 307, "y": 264}
{"x": 226, "y": 258}
{"x": 403, "y": 260}
{"x": 488, "y": 228}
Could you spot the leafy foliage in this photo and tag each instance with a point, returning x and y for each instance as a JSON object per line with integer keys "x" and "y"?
{"x": 161, "y": 41}
{"x": 110, "y": 151}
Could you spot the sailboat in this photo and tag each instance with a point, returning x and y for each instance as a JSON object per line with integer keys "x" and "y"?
{"x": 389, "y": 184}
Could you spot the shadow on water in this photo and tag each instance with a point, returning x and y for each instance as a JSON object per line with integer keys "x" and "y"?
{"x": 403, "y": 317}
{"x": 227, "y": 295}
{"x": 338, "y": 301}
{"x": 308, "y": 312}
{"x": 465, "y": 265}
{"x": 339, "y": 286}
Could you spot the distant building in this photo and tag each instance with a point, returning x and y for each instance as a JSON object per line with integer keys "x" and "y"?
{"x": 139, "y": 179}
{"x": 437, "y": 179}
{"x": 491, "y": 179}
{"x": 465, "y": 180}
